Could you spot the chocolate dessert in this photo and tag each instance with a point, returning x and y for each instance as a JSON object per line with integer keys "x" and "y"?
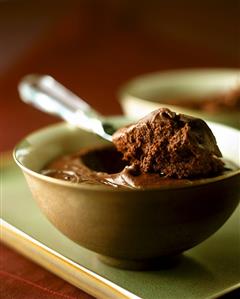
{"x": 228, "y": 101}
{"x": 88, "y": 166}
{"x": 162, "y": 149}
{"x": 174, "y": 145}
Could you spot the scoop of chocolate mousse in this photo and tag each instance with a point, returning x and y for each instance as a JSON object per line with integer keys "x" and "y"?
{"x": 171, "y": 144}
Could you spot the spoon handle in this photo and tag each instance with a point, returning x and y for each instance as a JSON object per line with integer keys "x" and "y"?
{"x": 48, "y": 95}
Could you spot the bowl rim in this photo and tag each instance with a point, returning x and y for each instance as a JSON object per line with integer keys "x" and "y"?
{"x": 126, "y": 89}
{"x": 106, "y": 188}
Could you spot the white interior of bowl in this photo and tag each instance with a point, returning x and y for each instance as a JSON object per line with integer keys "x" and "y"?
{"x": 228, "y": 140}
{"x": 43, "y": 146}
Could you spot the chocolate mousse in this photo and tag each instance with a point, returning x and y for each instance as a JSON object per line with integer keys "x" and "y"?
{"x": 174, "y": 145}
{"x": 104, "y": 165}
{"x": 162, "y": 149}
{"x": 228, "y": 101}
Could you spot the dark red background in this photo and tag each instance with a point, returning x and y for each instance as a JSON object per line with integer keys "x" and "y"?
{"x": 93, "y": 47}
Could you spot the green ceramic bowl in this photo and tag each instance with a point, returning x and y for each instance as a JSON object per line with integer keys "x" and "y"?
{"x": 149, "y": 92}
{"x": 128, "y": 228}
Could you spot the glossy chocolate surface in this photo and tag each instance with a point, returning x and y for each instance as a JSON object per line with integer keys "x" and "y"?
{"x": 104, "y": 165}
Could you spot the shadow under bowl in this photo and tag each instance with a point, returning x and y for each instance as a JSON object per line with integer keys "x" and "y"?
{"x": 128, "y": 228}
{"x": 148, "y": 92}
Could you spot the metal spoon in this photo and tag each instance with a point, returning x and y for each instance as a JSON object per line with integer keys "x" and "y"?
{"x": 48, "y": 95}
